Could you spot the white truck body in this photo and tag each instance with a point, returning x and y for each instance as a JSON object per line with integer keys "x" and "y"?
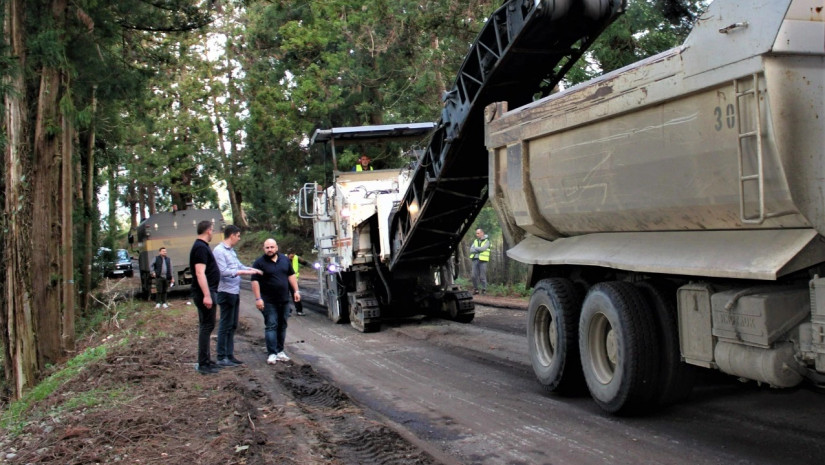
{"x": 701, "y": 167}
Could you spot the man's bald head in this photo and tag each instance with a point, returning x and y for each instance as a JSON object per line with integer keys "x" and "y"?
{"x": 270, "y": 247}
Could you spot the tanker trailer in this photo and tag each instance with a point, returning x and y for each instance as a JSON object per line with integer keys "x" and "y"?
{"x": 673, "y": 212}
{"x": 175, "y": 230}
{"x": 352, "y": 237}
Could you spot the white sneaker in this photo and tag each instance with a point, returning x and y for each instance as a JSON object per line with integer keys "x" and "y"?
{"x": 282, "y": 357}
{"x": 272, "y": 359}
{"x": 165, "y": 306}
{"x": 157, "y": 305}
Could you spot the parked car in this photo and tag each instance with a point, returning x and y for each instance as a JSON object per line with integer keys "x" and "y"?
{"x": 114, "y": 264}
{"x": 122, "y": 264}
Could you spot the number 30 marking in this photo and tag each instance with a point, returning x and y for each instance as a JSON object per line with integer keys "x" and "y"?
{"x": 730, "y": 117}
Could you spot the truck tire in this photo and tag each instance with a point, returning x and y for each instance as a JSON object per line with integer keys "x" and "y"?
{"x": 676, "y": 377}
{"x": 552, "y": 326}
{"x": 619, "y": 348}
{"x": 336, "y": 308}
{"x": 145, "y": 286}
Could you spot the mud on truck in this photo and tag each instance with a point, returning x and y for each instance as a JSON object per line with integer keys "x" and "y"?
{"x": 673, "y": 211}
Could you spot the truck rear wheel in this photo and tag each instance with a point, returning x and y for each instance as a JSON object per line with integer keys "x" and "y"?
{"x": 676, "y": 376}
{"x": 552, "y": 326}
{"x": 619, "y": 348}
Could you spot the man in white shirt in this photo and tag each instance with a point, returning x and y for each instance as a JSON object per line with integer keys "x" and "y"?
{"x": 229, "y": 291}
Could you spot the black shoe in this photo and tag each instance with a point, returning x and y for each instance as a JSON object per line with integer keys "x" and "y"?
{"x": 235, "y": 361}
{"x": 225, "y": 362}
{"x": 213, "y": 364}
{"x": 206, "y": 369}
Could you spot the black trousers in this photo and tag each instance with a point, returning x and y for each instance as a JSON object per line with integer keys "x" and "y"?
{"x": 206, "y": 324}
{"x": 162, "y": 287}
{"x": 299, "y": 306}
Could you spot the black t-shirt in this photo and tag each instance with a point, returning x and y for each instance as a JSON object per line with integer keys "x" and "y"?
{"x": 201, "y": 253}
{"x": 275, "y": 280}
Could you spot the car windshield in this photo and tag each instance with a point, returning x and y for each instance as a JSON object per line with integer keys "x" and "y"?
{"x": 123, "y": 254}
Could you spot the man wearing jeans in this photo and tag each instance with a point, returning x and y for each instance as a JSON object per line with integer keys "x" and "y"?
{"x": 204, "y": 293}
{"x": 272, "y": 293}
{"x": 480, "y": 255}
{"x": 229, "y": 291}
{"x": 162, "y": 272}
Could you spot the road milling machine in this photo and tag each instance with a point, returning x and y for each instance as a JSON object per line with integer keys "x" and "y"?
{"x": 387, "y": 238}
{"x": 673, "y": 211}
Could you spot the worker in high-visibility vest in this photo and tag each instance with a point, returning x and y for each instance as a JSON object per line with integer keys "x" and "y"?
{"x": 480, "y": 255}
{"x": 296, "y": 267}
{"x": 363, "y": 164}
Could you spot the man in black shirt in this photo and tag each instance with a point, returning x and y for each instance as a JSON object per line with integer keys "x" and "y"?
{"x": 204, "y": 293}
{"x": 272, "y": 295}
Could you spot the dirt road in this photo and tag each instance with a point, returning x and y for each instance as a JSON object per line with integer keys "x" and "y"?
{"x": 467, "y": 394}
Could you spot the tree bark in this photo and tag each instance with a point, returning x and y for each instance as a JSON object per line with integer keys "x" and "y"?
{"x": 131, "y": 199}
{"x": 67, "y": 232}
{"x": 45, "y": 177}
{"x": 18, "y": 337}
{"x": 46, "y": 267}
{"x": 142, "y": 200}
{"x": 151, "y": 200}
{"x": 89, "y": 205}
{"x": 112, "y": 180}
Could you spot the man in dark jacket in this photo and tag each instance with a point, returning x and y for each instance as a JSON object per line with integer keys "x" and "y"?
{"x": 162, "y": 272}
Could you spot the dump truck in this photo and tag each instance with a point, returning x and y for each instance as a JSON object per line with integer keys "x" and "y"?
{"x": 387, "y": 239}
{"x": 672, "y": 212}
{"x": 175, "y": 230}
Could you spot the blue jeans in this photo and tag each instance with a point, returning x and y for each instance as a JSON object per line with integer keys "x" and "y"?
{"x": 230, "y": 307}
{"x": 275, "y": 315}
{"x": 479, "y": 275}
{"x": 206, "y": 323}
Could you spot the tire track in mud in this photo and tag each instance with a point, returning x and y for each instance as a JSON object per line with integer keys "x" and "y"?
{"x": 347, "y": 434}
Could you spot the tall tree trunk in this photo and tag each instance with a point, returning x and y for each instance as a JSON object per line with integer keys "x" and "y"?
{"x": 89, "y": 205}
{"x": 142, "y": 200}
{"x": 238, "y": 215}
{"x": 151, "y": 200}
{"x": 131, "y": 198}
{"x": 46, "y": 267}
{"x": 17, "y": 320}
{"x": 67, "y": 233}
{"x": 112, "y": 180}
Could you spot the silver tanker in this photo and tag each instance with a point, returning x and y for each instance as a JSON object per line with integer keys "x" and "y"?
{"x": 673, "y": 211}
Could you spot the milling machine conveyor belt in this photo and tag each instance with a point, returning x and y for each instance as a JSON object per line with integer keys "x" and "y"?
{"x": 525, "y": 49}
